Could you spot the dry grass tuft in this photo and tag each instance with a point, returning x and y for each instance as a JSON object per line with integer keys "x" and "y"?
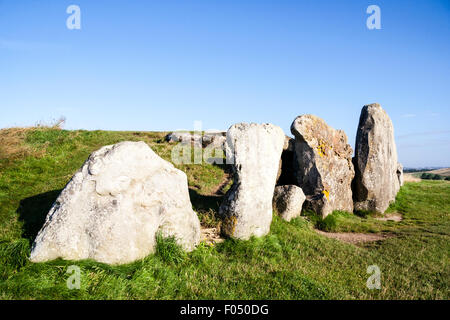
{"x": 12, "y": 140}
{"x": 54, "y": 124}
{"x": 12, "y": 144}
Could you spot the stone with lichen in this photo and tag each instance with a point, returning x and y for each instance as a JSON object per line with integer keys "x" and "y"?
{"x": 254, "y": 151}
{"x": 323, "y": 165}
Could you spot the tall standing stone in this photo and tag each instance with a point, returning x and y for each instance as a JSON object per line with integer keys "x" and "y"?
{"x": 113, "y": 207}
{"x": 376, "y": 180}
{"x": 401, "y": 179}
{"x": 323, "y": 165}
{"x": 255, "y": 151}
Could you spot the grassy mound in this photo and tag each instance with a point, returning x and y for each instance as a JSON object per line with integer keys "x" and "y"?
{"x": 292, "y": 262}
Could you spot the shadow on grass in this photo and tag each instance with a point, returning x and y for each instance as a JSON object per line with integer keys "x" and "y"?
{"x": 207, "y": 207}
{"x": 227, "y": 168}
{"x": 32, "y": 211}
{"x": 202, "y": 202}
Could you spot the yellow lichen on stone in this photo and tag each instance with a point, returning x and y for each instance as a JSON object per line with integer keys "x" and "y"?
{"x": 321, "y": 149}
{"x": 327, "y": 194}
{"x": 229, "y": 225}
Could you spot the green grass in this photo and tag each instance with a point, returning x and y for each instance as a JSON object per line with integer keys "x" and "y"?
{"x": 292, "y": 262}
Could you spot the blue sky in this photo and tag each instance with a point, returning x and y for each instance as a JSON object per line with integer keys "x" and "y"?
{"x": 161, "y": 65}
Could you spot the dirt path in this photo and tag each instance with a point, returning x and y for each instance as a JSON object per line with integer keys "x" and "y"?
{"x": 355, "y": 238}
{"x": 397, "y": 217}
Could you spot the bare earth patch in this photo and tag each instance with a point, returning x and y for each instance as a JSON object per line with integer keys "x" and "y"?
{"x": 355, "y": 238}
{"x": 211, "y": 235}
{"x": 397, "y": 217}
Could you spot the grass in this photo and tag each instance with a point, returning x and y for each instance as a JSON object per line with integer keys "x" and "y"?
{"x": 292, "y": 262}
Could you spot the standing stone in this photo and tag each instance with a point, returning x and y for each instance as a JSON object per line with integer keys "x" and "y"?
{"x": 112, "y": 208}
{"x": 288, "y": 201}
{"x": 255, "y": 151}
{"x": 376, "y": 181}
{"x": 400, "y": 174}
{"x": 323, "y": 165}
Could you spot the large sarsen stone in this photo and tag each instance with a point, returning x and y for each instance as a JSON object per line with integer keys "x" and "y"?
{"x": 112, "y": 208}
{"x": 323, "y": 165}
{"x": 377, "y": 173}
{"x": 255, "y": 151}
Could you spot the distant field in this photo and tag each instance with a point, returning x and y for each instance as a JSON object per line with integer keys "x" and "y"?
{"x": 443, "y": 172}
{"x": 292, "y": 262}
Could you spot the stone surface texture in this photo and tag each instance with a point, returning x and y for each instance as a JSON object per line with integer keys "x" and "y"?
{"x": 376, "y": 180}
{"x": 254, "y": 151}
{"x": 113, "y": 207}
{"x": 323, "y": 165}
{"x": 288, "y": 201}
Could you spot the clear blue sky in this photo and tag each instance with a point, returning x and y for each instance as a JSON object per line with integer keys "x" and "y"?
{"x": 161, "y": 65}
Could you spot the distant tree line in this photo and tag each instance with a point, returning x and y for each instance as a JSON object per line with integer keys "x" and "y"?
{"x": 412, "y": 170}
{"x": 433, "y": 176}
